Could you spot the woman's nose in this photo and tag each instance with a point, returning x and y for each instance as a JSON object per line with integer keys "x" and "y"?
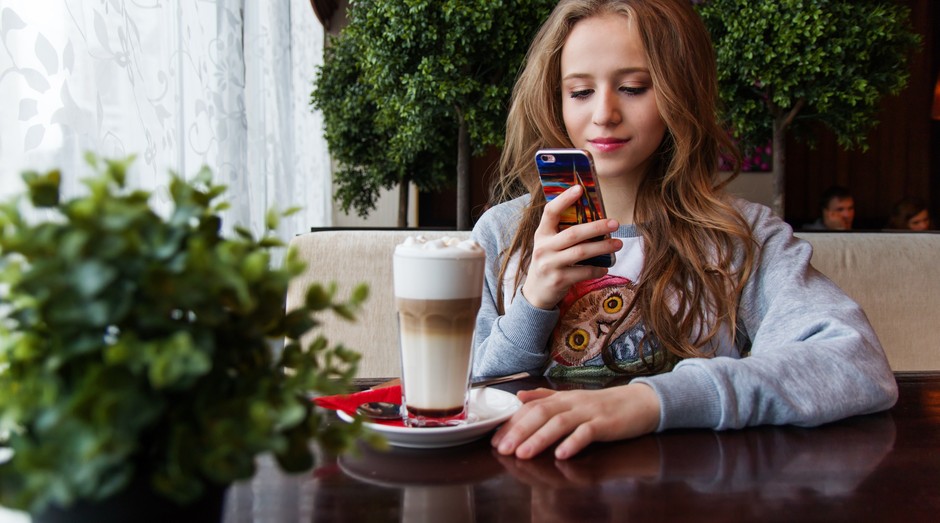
{"x": 607, "y": 110}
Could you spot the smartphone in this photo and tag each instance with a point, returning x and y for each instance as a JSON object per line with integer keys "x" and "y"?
{"x": 558, "y": 170}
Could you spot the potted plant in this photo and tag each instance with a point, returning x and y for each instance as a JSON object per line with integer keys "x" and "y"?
{"x": 136, "y": 353}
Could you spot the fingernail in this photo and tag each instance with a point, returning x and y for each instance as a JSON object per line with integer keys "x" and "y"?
{"x": 505, "y": 447}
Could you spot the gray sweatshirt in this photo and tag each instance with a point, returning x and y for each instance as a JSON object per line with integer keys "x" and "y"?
{"x": 804, "y": 354}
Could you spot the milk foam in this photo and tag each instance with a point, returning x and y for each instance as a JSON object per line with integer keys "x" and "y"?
{"x": 439, "y": 269}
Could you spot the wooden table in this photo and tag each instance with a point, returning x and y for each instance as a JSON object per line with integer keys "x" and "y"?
{"x": 881, "y": 467}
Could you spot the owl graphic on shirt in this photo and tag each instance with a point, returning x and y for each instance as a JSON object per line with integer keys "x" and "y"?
{"x": 590, "y": 316}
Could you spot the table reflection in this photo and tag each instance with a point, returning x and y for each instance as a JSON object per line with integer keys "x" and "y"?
{"x": 604, "y": 482}
{"x": 766, "y": 462}
{"x": 428, "y": 482}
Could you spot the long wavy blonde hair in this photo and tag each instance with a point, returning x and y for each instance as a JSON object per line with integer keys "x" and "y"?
{"x": 691, "y": 281}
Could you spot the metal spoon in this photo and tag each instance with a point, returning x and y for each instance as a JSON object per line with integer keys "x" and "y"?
{"x": 379, "y": 410}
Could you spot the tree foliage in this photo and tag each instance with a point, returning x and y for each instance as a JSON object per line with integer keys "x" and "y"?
{"x": 783, "y": 64}
{"x": 830, "y": 59}
{"x": 404, "y": 78}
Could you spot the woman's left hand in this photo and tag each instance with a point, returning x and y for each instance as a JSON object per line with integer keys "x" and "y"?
{"x": 578, "y": 416}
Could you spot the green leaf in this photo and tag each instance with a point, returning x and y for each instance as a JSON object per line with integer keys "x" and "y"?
{"x": 360, "y": 293}
{"x": 176, "y": 361}
{"x": 117, "y": 170}
{"x": 297, "y": 323}
{"x": 92, "y": 277}
{"x": 255, "y": 266}
{"x": 319, "y": 297}
{"x": 272, "y": 219}
{"x": 43, "y": 188}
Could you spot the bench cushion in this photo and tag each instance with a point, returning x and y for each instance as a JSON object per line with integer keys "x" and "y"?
{"x": 895, "y": 277}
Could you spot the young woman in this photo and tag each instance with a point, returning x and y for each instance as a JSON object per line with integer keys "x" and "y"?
{"x": 712, "y": 303}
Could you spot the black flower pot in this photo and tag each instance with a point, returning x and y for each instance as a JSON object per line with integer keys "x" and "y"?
{"x": 140, "y": 504}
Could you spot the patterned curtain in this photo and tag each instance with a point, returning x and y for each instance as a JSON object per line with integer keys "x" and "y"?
{"x": 180, "y": 84}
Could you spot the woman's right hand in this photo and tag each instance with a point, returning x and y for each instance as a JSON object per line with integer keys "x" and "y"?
{"x": 552, "y": 270}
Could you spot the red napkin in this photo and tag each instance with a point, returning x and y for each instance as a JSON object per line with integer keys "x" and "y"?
{"x": 348, "y": 402}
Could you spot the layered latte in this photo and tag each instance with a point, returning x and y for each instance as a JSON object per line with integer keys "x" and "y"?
{"x": 438, "y": 285}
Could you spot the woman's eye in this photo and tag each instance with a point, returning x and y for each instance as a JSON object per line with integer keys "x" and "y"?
{"x": 583, "y": 93}
{"x": 634, "y": 91}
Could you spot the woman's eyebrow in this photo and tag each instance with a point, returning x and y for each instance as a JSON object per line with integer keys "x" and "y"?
{"x": 618, "y": 72}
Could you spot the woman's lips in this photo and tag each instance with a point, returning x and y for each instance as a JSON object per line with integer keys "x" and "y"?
{"x": 606, "y": 145}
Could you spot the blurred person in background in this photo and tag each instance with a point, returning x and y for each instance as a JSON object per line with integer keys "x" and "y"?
{"x": 910, "y": 214}
{"x": 837, "y": 210}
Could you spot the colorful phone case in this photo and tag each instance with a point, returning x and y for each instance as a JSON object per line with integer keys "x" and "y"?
{"x": 558, "y": 170}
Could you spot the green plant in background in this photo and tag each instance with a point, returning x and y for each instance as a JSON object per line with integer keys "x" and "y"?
{"x": 784, "y": 64}
{"x": 136, "y": 344}
{"x": 411, "y": 89}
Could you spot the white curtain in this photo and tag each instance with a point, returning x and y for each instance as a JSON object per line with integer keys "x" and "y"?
{"x": 179, "y": 83}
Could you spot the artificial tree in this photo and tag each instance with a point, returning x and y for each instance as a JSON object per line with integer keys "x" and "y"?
{"x": 411, "y": 89}
{"x": 784, "y": 64}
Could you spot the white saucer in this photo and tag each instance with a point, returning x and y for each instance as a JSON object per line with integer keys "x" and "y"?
{"x": 488, "y": 407}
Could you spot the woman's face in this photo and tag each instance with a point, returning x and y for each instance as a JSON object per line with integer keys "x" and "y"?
{"x": 920, "y": 221}
{"x": 608, "y": 101}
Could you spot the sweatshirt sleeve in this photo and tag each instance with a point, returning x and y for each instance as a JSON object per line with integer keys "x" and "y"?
{"x": 814, "y": 357}
{"x": 515, "y": 341}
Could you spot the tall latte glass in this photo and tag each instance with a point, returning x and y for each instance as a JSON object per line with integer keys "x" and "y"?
{"x": 438, "y": 284}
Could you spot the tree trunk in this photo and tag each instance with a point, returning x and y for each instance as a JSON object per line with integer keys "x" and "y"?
{"x": 779, "y": 165}
{"x": 782, "y": 121}
{"x": 403, "y": 189}
{"x": 463, "y": 174}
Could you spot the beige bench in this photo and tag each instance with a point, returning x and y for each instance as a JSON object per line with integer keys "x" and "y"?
{"x": 894, "y": 276}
